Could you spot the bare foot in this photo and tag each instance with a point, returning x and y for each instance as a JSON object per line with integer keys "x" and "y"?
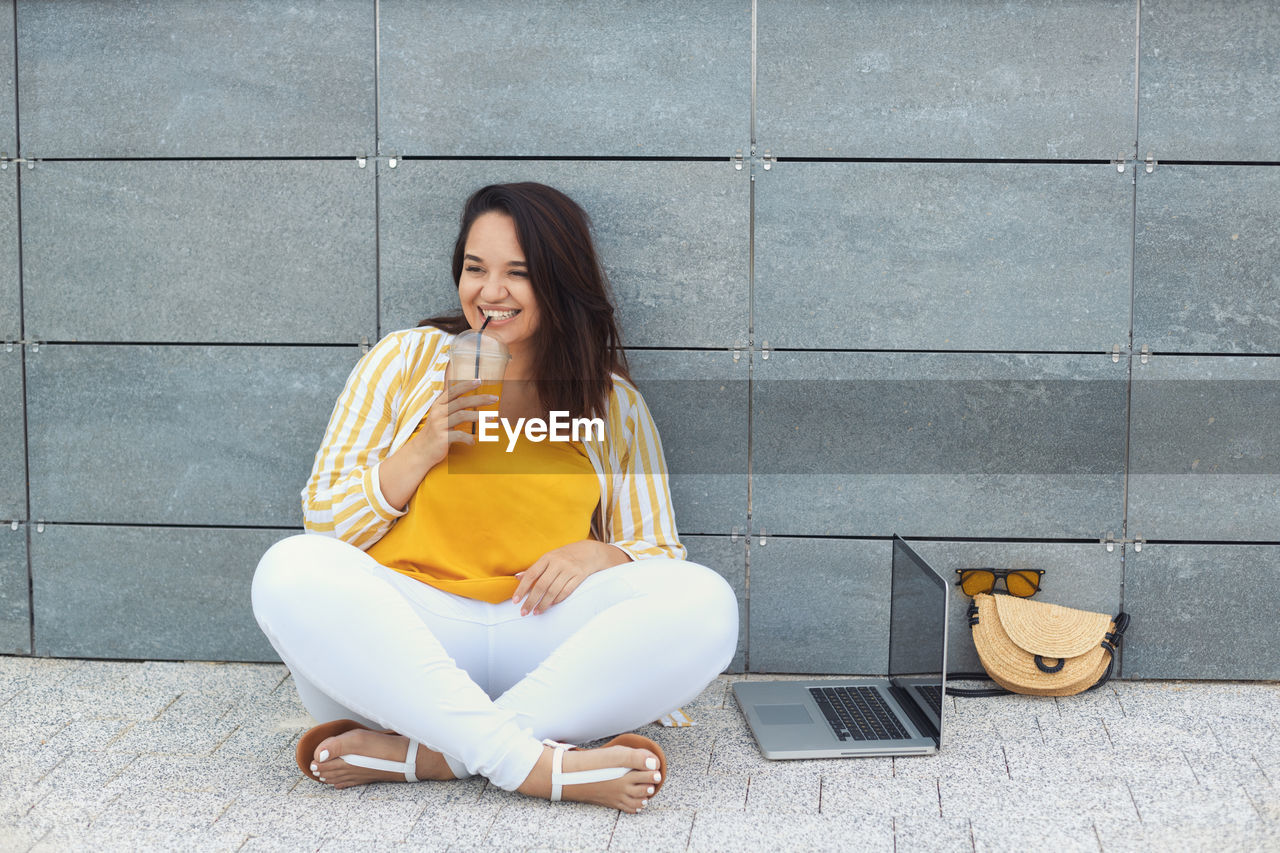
{"x": 629, "y": 793}
{"x": 328, "y": 766}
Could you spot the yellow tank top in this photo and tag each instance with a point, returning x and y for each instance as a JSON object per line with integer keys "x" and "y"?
{"x": 484, "y": 514}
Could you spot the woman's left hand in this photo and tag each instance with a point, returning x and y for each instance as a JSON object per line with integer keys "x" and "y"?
{"x": 557, "y": 573}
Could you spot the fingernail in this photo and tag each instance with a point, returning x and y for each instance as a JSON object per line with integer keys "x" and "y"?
{"x": 324, "y": 755}
{"x": 650, "y": 789}
{"x": 651, "y": 763}
{"x": 657, "y": 777}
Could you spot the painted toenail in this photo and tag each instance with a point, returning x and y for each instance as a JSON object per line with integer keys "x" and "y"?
{"x": 651, "y": 763}
{"x": 650, "y": 789}
{"x": 324, "y": 755}
{"x": 321, "y": 778}
{"x": 314, "y": 767}
{"x": 644, "y": 803}
{"x": 657, "y": 777}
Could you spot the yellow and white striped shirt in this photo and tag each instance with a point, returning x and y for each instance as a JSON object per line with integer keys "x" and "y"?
{"x": 387, "y": 396}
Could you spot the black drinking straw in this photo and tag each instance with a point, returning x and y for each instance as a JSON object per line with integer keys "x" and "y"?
{"x": 479, "y": 340}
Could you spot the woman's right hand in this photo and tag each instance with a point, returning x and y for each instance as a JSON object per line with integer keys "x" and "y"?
{"x": 402, "y": 471}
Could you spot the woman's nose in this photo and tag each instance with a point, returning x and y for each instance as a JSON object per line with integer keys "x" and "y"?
{"x": 493, "y": 289}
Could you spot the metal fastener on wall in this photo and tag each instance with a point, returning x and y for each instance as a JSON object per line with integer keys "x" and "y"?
{"x": 737, "y": 351}
{"x": 362, "y": 161}
{"x": 1138, "y": 542}
{"x": 13, "y": 525}
{"x": 1146, "y": 354}
{"x": 1115, "y": 353}
{"x": 737, "y": 160}
{"x": 40, "y": 526}
{"x": 768, "y": 159}
{"x": 1110, "y": 541}
{"x": 1151, "y": 162}
{"x": 764, "y": 350}
{"x": 364, "y": 345}
{"x": 763, "y": 540}
{"x": 1119, "y": 163}
{"x": 733, "y": 537}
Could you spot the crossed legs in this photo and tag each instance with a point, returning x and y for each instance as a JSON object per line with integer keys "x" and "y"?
{"x": 477, "y": 684}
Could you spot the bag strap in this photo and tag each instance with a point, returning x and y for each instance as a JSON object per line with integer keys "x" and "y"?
{"x": 978, "y": 691}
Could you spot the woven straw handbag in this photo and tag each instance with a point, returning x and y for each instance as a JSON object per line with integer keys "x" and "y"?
{"x": 1043, "y": 649}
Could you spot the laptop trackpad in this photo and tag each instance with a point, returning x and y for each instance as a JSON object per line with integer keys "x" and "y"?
{"x": 783, "y": 715}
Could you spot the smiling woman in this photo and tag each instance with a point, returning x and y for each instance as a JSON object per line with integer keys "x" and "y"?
{"x": 457, "y": 602}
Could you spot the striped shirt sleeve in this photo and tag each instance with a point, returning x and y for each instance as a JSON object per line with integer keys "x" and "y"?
{"x": 640, "y": 516}
{"x": 343, "y": 497}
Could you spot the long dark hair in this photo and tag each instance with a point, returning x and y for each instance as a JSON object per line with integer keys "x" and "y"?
{"x": 576, "y": 345}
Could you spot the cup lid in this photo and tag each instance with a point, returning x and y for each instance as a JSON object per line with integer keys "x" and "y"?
{"x": 474, "y": 342}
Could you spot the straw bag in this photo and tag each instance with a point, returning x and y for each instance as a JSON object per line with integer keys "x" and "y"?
{"x": 1043, "y": 649}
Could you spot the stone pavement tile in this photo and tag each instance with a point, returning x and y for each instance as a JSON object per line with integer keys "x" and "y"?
{"x": 139, "y": 841}
{"x": 688, "y": 750}
{"x": 173, "y": 737}
{"x": 1158, "y": 802}
{"x": 22, "y": 776}
{"x": 87, "y": 736}
{"x": 769, "y": 792}
{"x": 1102, "y": 702}
{"x": 21, "y": 733}
{"x": 223, "y": 680}
{"x": 1265, "y": 799}
{"x": 1060, "y": 798}
{"x": 150, "y": 774}
{"x": 1199, "y": 699}
{"x": 304, "y": 818}
{"x": 166, "y": 812}
{"x": 271, "y": 844}
{"x": 1247, "y": 837}
{"x": 529, "y": 823}
{"x": 735, "y": 753}
{"x": 1168, "y": 732}
{"x": 693, "y": 791}
{"x": 713, "y": 697}
{"x": 746, "y": 833}
{"x": 1066, "y": 762}
{"x": 932, "y": 834}
{"x": 1078, "y": 731}
{"x": 195, "y": 707}
{"x": 463, "y": 823}
{"x": 1059, "y": 832}
{"x": 22, "y": 673}
{"x": 434, "y": 793}
{"x": 72, "y": 702}
{"x": 915, "y": 798}
{"x": 958, "y": 759}
{"x": 21, "y": 833}
{"x": 658, "y": 828}
{"x": 260, "y": 738}
{"x": 79, "y": 785}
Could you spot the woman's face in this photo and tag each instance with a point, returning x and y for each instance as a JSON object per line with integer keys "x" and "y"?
{"x": 495, "y": 282}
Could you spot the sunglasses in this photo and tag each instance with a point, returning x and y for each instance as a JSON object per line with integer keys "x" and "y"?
{"x": 1022, "y": 583}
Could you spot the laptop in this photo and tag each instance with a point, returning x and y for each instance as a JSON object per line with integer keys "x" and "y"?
{"x": 900, "y": 714}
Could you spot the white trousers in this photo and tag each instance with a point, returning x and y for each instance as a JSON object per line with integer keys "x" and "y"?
{"x": 478, "y": 682}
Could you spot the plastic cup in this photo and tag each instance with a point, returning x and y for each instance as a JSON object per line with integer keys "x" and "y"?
{"x": 475, "y": 355}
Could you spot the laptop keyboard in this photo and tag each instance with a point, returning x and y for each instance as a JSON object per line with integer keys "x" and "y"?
{"x": 858, "y": 713}
{"x": 933, "y": 693}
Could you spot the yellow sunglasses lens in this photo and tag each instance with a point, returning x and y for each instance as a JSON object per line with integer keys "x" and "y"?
{"x": 1022, "y": 584}
{"x": 975, "y": 582}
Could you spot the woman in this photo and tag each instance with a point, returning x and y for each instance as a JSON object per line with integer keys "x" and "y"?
{"x": 455, "y": 604}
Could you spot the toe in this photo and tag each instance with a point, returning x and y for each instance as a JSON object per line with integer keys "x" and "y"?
{"x": 326, "y": 750}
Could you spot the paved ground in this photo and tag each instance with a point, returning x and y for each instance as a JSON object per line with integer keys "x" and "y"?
{"x": 197, "y": 756}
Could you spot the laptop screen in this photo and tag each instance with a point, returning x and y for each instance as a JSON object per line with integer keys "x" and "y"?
{"x": 917, "y": 626}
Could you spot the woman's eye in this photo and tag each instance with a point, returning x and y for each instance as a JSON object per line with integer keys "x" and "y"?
{"x": 473, "y": 269}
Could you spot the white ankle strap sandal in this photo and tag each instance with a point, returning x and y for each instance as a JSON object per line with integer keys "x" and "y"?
{"x": 559, "y": 778}
{"x": 408, "y": 767}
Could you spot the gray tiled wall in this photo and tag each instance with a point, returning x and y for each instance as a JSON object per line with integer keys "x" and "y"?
{"x": 983, "y": 80}
{"x": 620, "y": 78}
{"x": 179, "y": 434}
{"x": 13, "y": 448}
{"x": 920, "y": 256}
{"x": 15, "y": 599}
{"x": 146, "y": 592}
{"x": 1208, "y": 83}
{"x": 1207, "y": 260}
{"x": 8, "y": 106}
{"x": 189, "y": 79}
{"x": 673, "y": 238}
{"x": 914, "y": 276}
